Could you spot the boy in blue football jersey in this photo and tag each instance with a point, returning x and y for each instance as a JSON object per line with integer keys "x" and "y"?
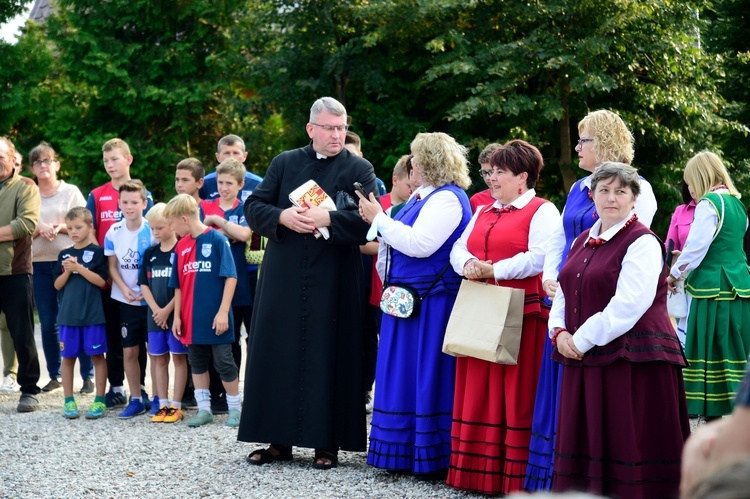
{"x": 229, "y": 146}
{"x": 154, "y": 281}
{"x": 204, "y": 278}
{"x": 227, "y": 216}
{"x": 79, "y": 273}
{"x": 125, "y": 244}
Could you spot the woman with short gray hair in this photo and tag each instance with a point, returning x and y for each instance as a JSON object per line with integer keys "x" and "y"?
{"x": 620, "y": 355}
{"x": 603, "y": 137}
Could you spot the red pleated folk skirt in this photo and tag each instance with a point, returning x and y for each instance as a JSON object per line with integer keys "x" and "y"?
{"x": 492, "y": 410}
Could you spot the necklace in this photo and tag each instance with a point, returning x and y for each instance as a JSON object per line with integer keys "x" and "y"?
{"x": 598, "y": 241}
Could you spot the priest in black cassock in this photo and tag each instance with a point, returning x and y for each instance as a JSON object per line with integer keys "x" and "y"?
{"x": 303, "y": 383}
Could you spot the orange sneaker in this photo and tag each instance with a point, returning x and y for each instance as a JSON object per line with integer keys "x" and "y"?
{"x": 173, "y": 415}
{"x": 160, "y": 415}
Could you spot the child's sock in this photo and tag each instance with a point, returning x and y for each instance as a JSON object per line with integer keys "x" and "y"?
{"x": 177, "y": 405}
{"x": 234, "y": 401}
{"x": 134, "y": 399}
{"x": 101, "y": 399}
{"x": 203, "y": 397}
{"x": 163, "y": 403}
{"x": 70, "y": 399}
{"x": 119, "y": 389}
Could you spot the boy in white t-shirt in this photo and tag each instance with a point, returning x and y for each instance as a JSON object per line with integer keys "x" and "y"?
{"x": 124, "y": 245}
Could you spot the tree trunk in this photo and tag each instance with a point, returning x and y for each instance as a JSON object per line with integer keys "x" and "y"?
{"x": 342, "y": 81}
{"x": 565, "y": 162}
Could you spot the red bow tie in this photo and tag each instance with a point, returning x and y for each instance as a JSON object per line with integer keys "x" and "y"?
{"x": 505, "y": 209}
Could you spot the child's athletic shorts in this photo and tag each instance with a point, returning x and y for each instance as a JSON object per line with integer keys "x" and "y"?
{"x": 161, "y": 342}
{"x": 90, "y": 339}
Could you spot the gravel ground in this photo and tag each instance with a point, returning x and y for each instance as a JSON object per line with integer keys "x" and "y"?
{"x": 44, "y": 455}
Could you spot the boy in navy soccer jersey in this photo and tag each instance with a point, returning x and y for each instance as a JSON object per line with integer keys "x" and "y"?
{"x": 204, "y": 278}
{"x": 79, "y": 273}
{"x": 125, "y": 244}
{"x": 227, "y": 216}
{"x": 229, "y": 146}
{"x": 154, "y": 281}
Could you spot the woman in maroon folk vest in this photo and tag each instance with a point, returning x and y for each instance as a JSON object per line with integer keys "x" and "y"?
{"x": 622, "y": 416}
{"x": 505, "y": 244}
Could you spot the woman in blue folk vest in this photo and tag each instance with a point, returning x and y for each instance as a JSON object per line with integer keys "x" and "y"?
{"x": 411, "y": 419}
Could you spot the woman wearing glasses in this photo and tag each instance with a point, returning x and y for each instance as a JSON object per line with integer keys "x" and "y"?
{"x": 603, "y": 136}
{"x": 504, "y": 244}
{"x": 411, "y": 418}
{"x": 51, "y": 237}
{"x": 622, "y": 412}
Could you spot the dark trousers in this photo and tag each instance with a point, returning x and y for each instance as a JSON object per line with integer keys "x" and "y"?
{"x": 371, "y": 331}
{"x": 113, "y": 326}
{"x": 115, "y": 367}
{"x": 17, "y": 301}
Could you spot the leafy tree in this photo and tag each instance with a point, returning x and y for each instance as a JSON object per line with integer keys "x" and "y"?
{"x": 725, "y": 34}
{"x": 11, "y": 8}
{"x": 171, "y": 77}
{"x": 137, "y": 70}
{"x": 490, "y": 70}
{"x": 27, "y": 75}
{"x": 161, "y": 75}
{"x": 548, "y": 63}
{"x": 368, "y": 54}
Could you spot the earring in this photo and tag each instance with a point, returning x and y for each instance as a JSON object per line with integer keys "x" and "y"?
{"x": 519, "y": 191}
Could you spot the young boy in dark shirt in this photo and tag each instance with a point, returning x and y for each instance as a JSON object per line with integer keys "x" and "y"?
{"x": 79, "y": 273}
{"x": 154, "y": 281}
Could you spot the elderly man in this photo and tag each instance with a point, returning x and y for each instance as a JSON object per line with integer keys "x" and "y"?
{"x": 19, "y": 213}
{"x": 303, "y": 384}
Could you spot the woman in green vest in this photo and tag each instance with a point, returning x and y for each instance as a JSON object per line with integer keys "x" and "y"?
{"x": 716, "y": 274}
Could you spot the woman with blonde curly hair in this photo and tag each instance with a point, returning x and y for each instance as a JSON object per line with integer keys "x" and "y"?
{"x": 717, "y": 340}
{"x": 603, "y": 136}
{"x": 411, "y": 419}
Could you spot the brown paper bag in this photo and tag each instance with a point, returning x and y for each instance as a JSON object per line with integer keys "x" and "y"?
{"x": 485, "y": 323}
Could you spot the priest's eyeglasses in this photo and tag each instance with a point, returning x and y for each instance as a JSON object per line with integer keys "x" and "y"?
{"x": 331, "y": 128}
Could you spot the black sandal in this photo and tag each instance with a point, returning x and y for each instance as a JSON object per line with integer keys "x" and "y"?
{"x": 321, "y": 454}
{"x": 283, "y": 453}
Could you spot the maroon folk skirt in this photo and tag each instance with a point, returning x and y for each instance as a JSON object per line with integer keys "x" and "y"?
{"x": 621, "y": 430}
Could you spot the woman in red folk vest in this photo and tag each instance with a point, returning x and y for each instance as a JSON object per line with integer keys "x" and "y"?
{"x": 622, "y": 416}
{"x": 504, "y": 243}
